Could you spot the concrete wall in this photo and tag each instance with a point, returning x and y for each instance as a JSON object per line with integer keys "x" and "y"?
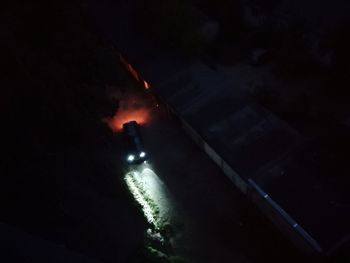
{"x": 285, "y": 223}
{"x": 282, "y": 220}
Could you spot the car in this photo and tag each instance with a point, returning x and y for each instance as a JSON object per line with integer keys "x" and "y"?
{"x": 135, "y": 151}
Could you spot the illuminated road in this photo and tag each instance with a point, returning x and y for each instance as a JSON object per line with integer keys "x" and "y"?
{"x": 151, "y": 193}
{"x": 211, "y": 221}
{"x": 157, "y": 192}
{"x": 157, "y": 203}
{"x": 181, "y": 189}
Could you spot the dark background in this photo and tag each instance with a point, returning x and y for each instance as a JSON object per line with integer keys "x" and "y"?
{"x": 57, "y": 72}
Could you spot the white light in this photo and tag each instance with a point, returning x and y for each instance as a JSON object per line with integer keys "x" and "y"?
{"x": 142, "y": 154}
{"x": 131, "y": 158}
{"x": 140, "y": 198}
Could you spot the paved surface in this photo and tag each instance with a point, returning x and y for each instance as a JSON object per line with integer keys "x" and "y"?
{"x": 213, "y": 222}
{"x": 258, "y": 145}
{"x": 216, "y": 104}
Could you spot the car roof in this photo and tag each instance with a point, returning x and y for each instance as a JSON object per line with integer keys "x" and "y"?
{"x": 131, "y": 128}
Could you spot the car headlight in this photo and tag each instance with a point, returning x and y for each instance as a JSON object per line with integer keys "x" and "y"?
{"x": 142, "y": 154}
{"x": 131, "y": 158}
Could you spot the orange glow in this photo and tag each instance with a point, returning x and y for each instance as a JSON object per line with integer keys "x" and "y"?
{"x": 146, "y": 85}
{"x": 129, "y": 68}
{"x": 141, "y": 116}
{"x": 133, "y": 72}
{"x": 131, "y": 109}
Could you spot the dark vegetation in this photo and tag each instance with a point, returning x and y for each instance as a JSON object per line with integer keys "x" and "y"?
{"x": 55, "y": 78}
{"x": 314, "y": 93}
{"x": 310, "y": 62}
{"x": 59, "y": 181}
{"x": 171, "y": 24}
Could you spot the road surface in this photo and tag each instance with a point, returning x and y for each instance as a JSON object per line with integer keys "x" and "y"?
{"x": 211, "y": 220}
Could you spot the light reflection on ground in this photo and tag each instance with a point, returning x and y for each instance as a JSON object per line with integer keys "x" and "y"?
{"x": 140, "y": 198}
{"x": 150, "y": 192}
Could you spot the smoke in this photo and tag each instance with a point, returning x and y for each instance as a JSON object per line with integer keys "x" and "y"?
{"x": 131, "y": 108}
